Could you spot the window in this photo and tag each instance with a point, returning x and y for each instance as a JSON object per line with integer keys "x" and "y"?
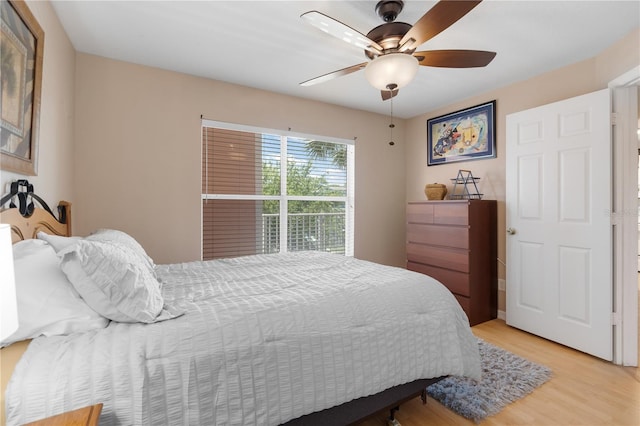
{"x": 253, "y": 201}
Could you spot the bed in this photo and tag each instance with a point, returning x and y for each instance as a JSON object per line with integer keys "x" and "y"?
{"x": 296, "y": 338}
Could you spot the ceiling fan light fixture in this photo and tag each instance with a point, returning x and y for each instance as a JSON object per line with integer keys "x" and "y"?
{"x": 391, "y": 69}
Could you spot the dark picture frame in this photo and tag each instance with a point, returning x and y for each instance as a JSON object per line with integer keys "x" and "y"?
{"x": 467, "y": 134}
{"x": 21, "y": 54}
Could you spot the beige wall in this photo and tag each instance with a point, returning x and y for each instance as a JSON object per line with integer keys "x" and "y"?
{"x": 55, "y": 178}
{"x": 137, "y": 156}
{"x": 577, "y": 79}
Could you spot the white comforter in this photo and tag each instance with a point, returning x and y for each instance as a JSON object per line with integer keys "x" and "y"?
{"x": 265, "y": 339}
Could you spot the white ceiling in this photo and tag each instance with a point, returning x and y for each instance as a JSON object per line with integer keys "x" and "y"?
{"x": 265, "y": 44}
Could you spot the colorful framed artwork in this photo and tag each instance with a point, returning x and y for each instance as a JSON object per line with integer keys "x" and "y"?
{"x": 21, "y": 56}
{"x": 468, "y": 134}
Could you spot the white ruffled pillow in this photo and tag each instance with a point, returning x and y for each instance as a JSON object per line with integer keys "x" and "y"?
{"x": 48, "y": 304}
{"x": 120, "y": 237}
{"x": 56, "y": 241}
{"x": 106, "y": 235}
{"x": 114, "y": 281}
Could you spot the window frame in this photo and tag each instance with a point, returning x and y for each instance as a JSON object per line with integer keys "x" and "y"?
{"x": 283, "y": 198}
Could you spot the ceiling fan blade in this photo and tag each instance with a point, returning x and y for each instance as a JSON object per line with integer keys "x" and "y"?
{"x": 342, "y": 31}
{"x": 437, "y": 19}
{"x": 388, "y": 94}
{"x": 334, "y": 74}
{"x": 455, "y": 58}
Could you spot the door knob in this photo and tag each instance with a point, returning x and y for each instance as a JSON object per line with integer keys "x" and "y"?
{"x": 511, "y": 231}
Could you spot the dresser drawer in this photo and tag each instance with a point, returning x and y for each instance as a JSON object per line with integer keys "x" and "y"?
{"x": 449, "y": 236}
{"x": 420, "y": 213}
{"x": 451, "y": 213}
{"x": 456, "y": 282}
{"x": 448, "y": 258}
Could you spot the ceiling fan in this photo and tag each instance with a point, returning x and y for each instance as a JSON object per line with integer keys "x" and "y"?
{"x": 391, "y": 47}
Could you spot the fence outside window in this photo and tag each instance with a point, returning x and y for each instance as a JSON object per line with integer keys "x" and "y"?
{"x": 306, "y": 231}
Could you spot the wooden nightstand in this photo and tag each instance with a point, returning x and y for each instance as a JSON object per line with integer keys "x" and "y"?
{"x": 86, "y": 416}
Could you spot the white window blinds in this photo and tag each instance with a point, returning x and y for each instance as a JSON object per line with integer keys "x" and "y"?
{"x": 254, "y": 202}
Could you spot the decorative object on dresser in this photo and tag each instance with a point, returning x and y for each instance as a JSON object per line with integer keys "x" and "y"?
{"x": 455, "y": 242}
{"x": 468, "y": 188}
{"x": 435, "y": 191}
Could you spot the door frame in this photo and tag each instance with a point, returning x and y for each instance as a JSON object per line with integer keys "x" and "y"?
{"x": 625, "y": 216}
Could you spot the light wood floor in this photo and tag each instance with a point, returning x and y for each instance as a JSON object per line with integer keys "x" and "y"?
{"x": 583, "y": 390}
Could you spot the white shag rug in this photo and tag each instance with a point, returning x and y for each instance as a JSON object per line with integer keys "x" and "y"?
{"x": 506, "y": 378}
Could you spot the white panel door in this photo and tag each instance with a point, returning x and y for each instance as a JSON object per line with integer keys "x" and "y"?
{"x": 559, "y": 232}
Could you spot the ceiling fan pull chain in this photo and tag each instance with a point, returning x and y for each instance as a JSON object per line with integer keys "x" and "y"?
{"x": 391, "y": 87}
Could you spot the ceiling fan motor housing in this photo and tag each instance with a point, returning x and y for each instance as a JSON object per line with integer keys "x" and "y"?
{"x": 388, "y": 10}
{"x": 388, "y": 36}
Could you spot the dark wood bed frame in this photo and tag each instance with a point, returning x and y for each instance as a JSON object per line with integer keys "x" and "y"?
{"x": 41, "y": 219}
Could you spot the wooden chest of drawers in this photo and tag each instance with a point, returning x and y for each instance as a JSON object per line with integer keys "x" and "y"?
{"x": 455, "y": 242}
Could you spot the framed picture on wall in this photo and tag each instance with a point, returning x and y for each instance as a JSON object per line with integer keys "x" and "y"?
{"x": 21, "y": 57}
{"x": 468, "y": 134}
